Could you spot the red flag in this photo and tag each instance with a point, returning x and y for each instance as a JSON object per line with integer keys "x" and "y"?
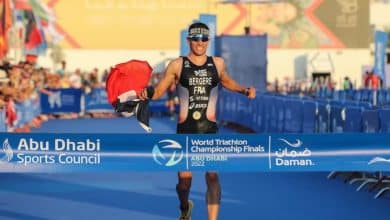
{"x": 34, "y": 38}
{"x": 22, "y": 5}
{"x": 133, "y": 75}
{"x": 5, "y": 24}
{"x": 33, "y": 34}
{"x": 31, "y": 58}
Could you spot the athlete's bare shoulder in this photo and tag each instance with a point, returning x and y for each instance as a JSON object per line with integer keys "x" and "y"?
{"x": 174, "y": 66}
{"x": 176, "y": 63}
{"x": 218, "y": 60}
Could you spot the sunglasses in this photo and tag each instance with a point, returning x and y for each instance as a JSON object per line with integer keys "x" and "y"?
{"x": 198, "y": 38}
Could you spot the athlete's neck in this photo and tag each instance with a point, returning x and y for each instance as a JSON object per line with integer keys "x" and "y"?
{"x": 197, "y": 60}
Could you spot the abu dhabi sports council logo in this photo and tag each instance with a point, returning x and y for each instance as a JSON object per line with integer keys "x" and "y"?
{"x": 167, "y": 152}
{"x": 6, "y": 153}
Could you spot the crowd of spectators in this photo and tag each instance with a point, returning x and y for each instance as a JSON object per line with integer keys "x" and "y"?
{"x": 303, "y": 87}
{"x": 22, "y": 81}
{"x": 309, "y": 87}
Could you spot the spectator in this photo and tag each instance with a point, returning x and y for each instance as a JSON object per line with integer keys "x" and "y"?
{"x": 62, "y": 70}
{"x": 347, "y": 84}
{"x": 75, "y": 79}
{"x": 371, "y": 80}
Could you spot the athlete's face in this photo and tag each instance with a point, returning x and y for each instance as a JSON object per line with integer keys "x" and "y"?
{"x": 198, "y": 44}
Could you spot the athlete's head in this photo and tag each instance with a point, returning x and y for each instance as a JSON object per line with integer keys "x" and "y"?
{"x": 198, "y": 38}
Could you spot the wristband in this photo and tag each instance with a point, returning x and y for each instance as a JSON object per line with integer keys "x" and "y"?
{"x": 246, "y": 91}
{"x": 150, "y": 91}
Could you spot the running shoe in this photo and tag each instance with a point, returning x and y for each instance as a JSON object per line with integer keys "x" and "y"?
{"x": 187, "y": 215}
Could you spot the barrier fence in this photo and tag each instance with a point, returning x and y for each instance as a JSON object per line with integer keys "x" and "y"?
{"x": 270, "y": 113}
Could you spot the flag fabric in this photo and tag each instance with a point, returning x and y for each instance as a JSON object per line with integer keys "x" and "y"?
{"x": 35, "y": 42}
{"x": 38, "y": 26}
{"x": 133, "y": 76}
{"x": 47, "y": 20}
{"x": 43, "y": 12}
{"x": 5, "y": 24}
{"x": 33, "y": 35}
{"x": 22, "y": 5}
{"x": 381, "y": 39}
{"x": 124, "y": 84}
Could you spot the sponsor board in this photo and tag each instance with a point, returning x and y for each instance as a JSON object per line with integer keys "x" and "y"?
{"x": 173, "y": 152}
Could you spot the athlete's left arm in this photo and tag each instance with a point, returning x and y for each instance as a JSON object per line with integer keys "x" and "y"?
{"x": 229, "y": 83}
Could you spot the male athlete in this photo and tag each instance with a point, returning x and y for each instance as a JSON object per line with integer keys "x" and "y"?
{"x": 197, "y": 77}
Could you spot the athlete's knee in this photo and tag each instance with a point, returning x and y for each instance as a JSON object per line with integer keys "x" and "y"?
{"x": 184, "y": 183}
{"x": 213, "y": 195}
{"x": 185, "y": 174}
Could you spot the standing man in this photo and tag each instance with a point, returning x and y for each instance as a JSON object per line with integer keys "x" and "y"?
{"x": 197, "y": 77}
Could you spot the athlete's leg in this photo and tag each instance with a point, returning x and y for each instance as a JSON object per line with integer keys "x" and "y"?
{"x": 183, "y": 189}
{"x": 213, "y": 195}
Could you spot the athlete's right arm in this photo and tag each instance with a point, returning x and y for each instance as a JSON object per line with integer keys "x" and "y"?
{"x": 169, "y": 77}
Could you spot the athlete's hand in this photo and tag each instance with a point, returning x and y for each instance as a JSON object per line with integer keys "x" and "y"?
{"x": 143, "y": 94}
{"x": 251, "y": 92}
{"x": 146, "y": 93}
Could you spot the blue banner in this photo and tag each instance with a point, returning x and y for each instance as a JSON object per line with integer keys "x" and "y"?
{"x": 211, "y": 21}
{"x": 168, "y": 152}
{"x": 184, "y": 48}
{"x": 61, "y": 100}
{"x": 246, "y": 63}
{"x": 380, "y": 54}
{"x": 26, "y": 111}
{"x": 96, "y": 100}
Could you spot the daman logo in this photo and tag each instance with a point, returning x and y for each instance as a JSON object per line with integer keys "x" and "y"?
{"x": 167, "y": 153}
{"x": 6, "y": 153}
{"x": 296, "y": 144}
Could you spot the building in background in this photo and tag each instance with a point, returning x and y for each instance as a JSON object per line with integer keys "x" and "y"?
{"x": 101, "y": 33}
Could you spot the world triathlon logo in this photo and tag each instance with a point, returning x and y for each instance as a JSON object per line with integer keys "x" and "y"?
{"x": 167, "y": 153}
{"x": 6, "y": 153}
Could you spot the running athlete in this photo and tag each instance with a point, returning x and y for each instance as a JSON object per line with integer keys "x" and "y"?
{"x": 197, "y": 77}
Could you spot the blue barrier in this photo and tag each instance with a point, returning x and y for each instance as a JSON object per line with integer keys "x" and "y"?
{"x": 384, "y": 116}
{"x": 370, "y": 121}
{"x": 96, "y": 100}
{"x": 26, "y": 111}
{"x": 323, "y": 116}
{"x": 275, "y": 113}
{"x": 270, "y": 113}
{"x": 3, "y": 122}
{"x": 61, "y": 100}
{"x": 259, "y": 115}
{"x": 293, "y": 116}
{"x": 336, "y": 118}
{"x": 309, "y": 116}
{"x": 353, "y": 119}
{"x": 168, "y": 152}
